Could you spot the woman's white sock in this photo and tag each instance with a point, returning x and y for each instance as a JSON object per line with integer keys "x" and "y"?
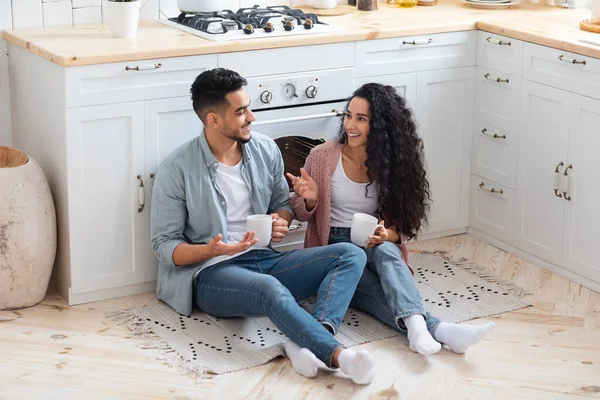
{"x": 303, "y": 360}
{"x": 419, "y": 338}
{"x": 460, "y": 337}
{"x": 358, "y": 365}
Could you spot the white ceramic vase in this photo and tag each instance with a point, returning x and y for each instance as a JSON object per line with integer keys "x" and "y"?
{"x": 122, "y": 18}
{"x": 27, "y": 232}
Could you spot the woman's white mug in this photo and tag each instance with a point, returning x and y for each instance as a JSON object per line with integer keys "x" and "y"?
{"x": 262, "y": 224}
{"x": 363, "y": 226}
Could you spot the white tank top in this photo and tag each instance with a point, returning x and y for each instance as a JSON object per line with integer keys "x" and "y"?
{"x": 348, "y": 197}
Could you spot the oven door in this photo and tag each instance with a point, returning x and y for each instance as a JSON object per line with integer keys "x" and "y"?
{"x": 296, "y": 130}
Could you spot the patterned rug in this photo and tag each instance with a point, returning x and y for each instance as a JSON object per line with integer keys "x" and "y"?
{"x": 454, "y": 291}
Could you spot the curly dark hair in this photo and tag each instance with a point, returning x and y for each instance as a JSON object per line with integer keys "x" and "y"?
{"x": 210, "y": 88}
{"x": 394, "y": 159}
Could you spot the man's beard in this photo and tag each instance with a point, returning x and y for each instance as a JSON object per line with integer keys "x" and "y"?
{"x": 235, "y": 136}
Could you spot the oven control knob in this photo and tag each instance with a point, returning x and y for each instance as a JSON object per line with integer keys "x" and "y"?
{"x": 266, "y": 97}
{"x": 311, "y": 92}
{"x": 288, "y": 25}
{"x": 308, "y": 24}
{"x": 269, "y": 27}
{"x": 248, "y": 29}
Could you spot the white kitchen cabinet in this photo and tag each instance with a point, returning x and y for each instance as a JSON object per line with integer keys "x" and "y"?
{"x": 496, "y": 120}
{"x": 581, "y": 190}
{"x": 405, "y": 85}
{"x": 561, "y": 69}
{"x": 107, "y": 223}
{"x": 543, "y": 144}
{"x": 492, "y": 208}
{"x": 415, "y": 53}
{"x": 169, "y": 124}
{"x": 444, "y": 114}
{"x": 500, "y": 53}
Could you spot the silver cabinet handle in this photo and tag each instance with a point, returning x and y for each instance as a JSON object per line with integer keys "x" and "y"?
{"x": 570, "y": 60}
{"x": 497, "y": 41}
{"x": 143, "y": 67}
{"x": 489, "y": 77}
{"x": 491, "y": 190}
{"x": 565, "y": 182}
{"x": 492, "y": 135}
{"x": 141, "y": 194}
{"x": 416, "y": 42}
{"x": 557, "y": 180}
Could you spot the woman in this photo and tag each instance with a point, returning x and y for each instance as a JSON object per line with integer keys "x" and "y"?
{"x": 376, "y": 167}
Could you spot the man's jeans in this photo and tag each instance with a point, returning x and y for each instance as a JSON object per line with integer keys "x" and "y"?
{"x": 264, "y": 282}
{"x": 387, "y": 289}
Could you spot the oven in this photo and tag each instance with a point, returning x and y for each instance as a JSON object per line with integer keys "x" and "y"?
{"x": 299, "y": 111}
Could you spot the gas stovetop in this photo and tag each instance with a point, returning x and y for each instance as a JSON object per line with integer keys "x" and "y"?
{"x": 249, "y": 23}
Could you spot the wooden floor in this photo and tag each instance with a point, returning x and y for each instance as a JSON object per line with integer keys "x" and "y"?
{"x": 549, "y": 351}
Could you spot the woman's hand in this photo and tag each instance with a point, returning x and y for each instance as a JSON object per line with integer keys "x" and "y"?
{"x": 306, "y": 188}
{"x": 380, "y": 236}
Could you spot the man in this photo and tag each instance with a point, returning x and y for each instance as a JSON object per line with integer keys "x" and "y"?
{"x": 203, "y": 193}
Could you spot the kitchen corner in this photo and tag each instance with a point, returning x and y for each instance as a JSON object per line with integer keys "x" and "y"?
{"x": 487, "y": 87}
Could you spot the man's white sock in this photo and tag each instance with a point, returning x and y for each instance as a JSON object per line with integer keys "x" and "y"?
{"x": 419, "y": 338}
{"x": 303, "y": 360}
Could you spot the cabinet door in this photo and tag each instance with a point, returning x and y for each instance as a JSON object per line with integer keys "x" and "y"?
{"x": 105, "y": 156}
{"x": 405, "y": 84}
{"x": 543, "y": 143}
{"x": 582, "y": 210}
{"x": 169, "y": 124}
{"x": 444, "y": 113}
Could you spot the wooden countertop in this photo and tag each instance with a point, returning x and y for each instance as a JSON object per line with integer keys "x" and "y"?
{"x": 92, "y": 44}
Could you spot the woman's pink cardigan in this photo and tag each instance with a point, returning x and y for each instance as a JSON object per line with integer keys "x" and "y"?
{"x": 320, "y": 165}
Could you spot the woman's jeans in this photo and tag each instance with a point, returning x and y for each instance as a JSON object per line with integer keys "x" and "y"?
{"x": 265, "y": 282}
{"x": 387, "y": 288}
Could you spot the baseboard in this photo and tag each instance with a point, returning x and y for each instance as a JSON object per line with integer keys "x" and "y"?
{"x": 557, "y": 269}
{"x": 112, "y": 293}
{"x": 440, "y": 234}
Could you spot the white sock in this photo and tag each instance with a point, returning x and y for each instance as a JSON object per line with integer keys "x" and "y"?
{"x": 419, "y": 338}
{"x": 460, "y": 337}
{"x": 358, "y": 365}
{"x": 303, "y": 360}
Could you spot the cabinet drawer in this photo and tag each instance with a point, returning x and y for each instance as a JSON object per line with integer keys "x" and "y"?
{"x": 494, "y": 155}
{"x": 561, "y": 69}
{"x": 287, "y": 60}
{"x": 492, "y": 209}
{"x": 135, "y": 80}
{"x": 415, "y": 53}
{"x": 499, "y": 53}
{"x": 497, "y": 99}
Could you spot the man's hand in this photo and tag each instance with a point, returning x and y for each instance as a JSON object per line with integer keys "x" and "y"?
{"x": 217, "y": 247}
{"x": 380, "y": 236}
{"x": 305, "y": 187}
{"x": 280, "y": 228}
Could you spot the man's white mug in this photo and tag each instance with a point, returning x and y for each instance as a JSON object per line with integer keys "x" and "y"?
{"x": 262, "y": 224}
{"x": 363, "y": 226}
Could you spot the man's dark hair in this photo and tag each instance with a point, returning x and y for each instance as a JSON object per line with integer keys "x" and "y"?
{"x": 210, "y": 88}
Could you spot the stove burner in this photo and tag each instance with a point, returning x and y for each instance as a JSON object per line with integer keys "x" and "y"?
{"x": 248, "y": 19}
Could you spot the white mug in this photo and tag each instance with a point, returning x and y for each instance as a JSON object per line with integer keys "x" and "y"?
{"x": 363, "y": 226}
{"x": 262, "y": 224}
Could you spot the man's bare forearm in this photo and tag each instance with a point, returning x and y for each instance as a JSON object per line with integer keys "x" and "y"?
{"x": 186, "y": 254}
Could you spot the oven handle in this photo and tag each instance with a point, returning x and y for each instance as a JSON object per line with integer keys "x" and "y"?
{"x": 333, "y": 113}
